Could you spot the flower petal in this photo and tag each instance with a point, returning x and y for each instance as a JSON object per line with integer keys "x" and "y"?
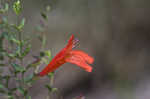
{"x": 53, "y": 65}
{"x": 70, "y": 43}
{"x": 88, "y": 58}
{"x": 59, "y": 59}
{"x": 79, "y": 60}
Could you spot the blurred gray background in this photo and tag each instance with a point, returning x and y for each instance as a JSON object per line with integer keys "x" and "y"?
{"x": 115, "y": 32}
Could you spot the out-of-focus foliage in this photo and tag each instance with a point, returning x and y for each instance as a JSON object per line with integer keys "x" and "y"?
{"x": 14, "y": 48}
{"x": 17, "y": 7}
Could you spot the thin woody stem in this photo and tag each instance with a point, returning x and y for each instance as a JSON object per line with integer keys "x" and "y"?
{"x": 21, "y": 59}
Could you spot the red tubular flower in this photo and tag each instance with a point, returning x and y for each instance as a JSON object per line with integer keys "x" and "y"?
{"x": 69, "y": 55}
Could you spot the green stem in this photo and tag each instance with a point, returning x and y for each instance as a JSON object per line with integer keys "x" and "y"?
{"x": 20, "y": 56}
{"x": 52, "y": 80}
{"x": 51, "y": 84}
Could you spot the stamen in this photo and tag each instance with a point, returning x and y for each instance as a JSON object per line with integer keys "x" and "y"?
{"x": 75, "y": 43}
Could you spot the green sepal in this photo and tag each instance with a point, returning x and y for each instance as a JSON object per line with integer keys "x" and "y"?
{"x": 18, "y": 68}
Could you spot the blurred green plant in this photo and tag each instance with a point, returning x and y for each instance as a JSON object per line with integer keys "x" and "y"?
{"x": 17, "y": 7}
{"x": 14, "y": 48}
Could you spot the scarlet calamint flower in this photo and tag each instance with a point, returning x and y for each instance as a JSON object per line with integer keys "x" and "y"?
{"x": 69, "y": 55}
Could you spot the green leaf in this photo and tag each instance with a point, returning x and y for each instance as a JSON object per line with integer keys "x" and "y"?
{"x": 10, "y": 97}
{"x": 1, "y": 65}
{"x": 48, "y": 8}
{"x": 11, "y": 37}
{"x": 1, "y": 78}
{"x": 17, "y": 7}
{"x": 29, "y": 97}
{"x": 2, "y": 91}
{"x": 1, "y": 70}
{"x": 50, "y": 89}
{"x": 1, "y": 42}
{"x": 1, "y": 56}
{"x": 21, "y": 90}
{"x": 45, "y": 53}
{"x": 6, "y": 34}
{"x": 29, "y": 78}
{"x": 7, "y": 78}
{"x": 47, "y": 58}
{"x": 44, "y": 60}
{"x": 11, "y": 55}
{"x": 27, "y": 50}
{"x": 54, "y": 89}
{"x": 18, "y": 68}
{"x": 42, "y": 54}
{"x": 48, "y": 54}
{"x": 39, "y": 28}
{"x": 18, "y": 80}
{"x": 5, "y": 20}
{"x": 18, "y": 52}
{"x": 15, "y": 41}
{"x": 44, "y": 15}
{"x": 43, "y": 40}
{"x": 5, "y": 9}
{"x": 13, "y": 89}
{"x": 2, "y": 11}
{"x": 34, "y": 63}
{"x": 1, "y": 86}
{"x": 21, "y": 24}
{"x": 1, "y": 47}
